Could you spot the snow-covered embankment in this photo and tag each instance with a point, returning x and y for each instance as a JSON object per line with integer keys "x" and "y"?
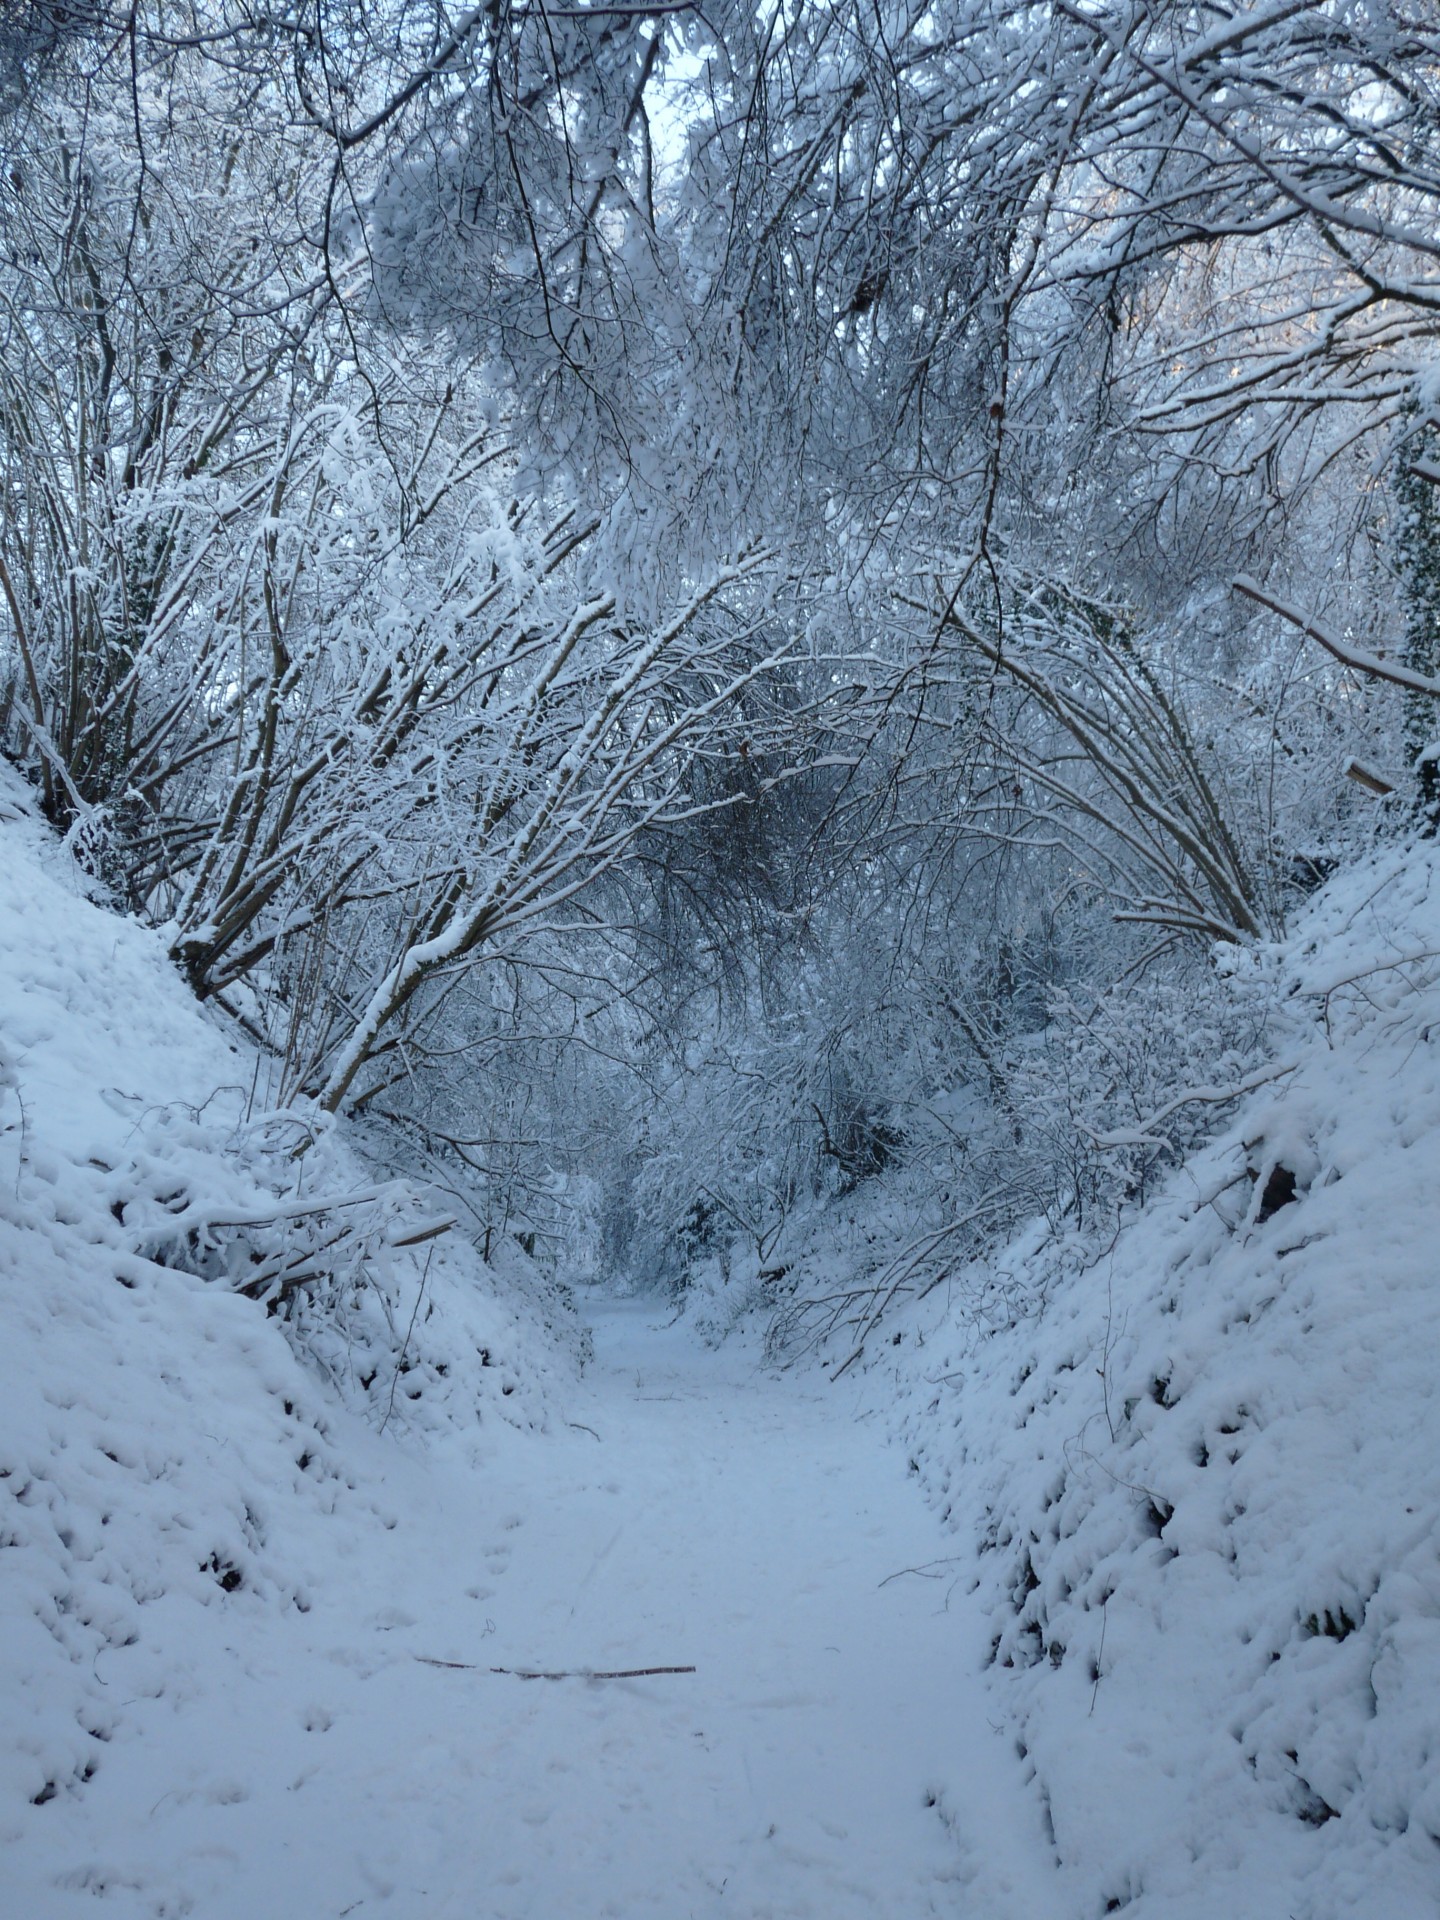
{"x": 188, "y": 1482}
{"x": 1204, "y": 1472}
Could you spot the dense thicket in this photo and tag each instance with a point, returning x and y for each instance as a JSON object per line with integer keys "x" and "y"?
{"x": 647, "y": 593}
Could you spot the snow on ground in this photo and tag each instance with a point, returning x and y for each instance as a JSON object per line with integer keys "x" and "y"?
{"x": 1205, "y": 1473}
{"x": 1166, "y": 1639}
{"x": 232, "y": 1550}
{"x": 830, "y": 1756}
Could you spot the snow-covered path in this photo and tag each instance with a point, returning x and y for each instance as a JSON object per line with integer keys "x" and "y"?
{"x": 814, "y": 1763}
{"x": 829, "y": 1757}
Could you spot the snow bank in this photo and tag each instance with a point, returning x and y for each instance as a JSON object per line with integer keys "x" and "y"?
{"x": 1204, "y": 1474}
{"x": 180, "y": 1463}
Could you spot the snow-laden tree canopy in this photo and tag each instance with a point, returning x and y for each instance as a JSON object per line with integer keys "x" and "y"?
{"x": 681, "y": 560}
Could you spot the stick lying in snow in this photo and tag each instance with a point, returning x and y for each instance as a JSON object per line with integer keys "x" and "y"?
{"x": 927, "y": 1572}
{"x": 587, "y": 1673}
{"x": 574, "y": 1673}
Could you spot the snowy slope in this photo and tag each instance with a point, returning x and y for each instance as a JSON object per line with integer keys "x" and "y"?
{"x": 1204, "y": 1477}
{"x": 184, "y": 1476}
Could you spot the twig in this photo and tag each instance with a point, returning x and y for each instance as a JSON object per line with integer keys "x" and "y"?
{"x": 405, "y": 1349}
{"x": 586, "y": 1673}
{"x": 850, "y": 1362}
{"x": 569, "y": 1673}
{"x": 1104, "y": 1622}
{"x": 923, "y": 1572}
{"x": 428, "y": 1230}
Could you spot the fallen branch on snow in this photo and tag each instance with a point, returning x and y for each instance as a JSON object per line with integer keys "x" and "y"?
{"x": 572, "y": 1673}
